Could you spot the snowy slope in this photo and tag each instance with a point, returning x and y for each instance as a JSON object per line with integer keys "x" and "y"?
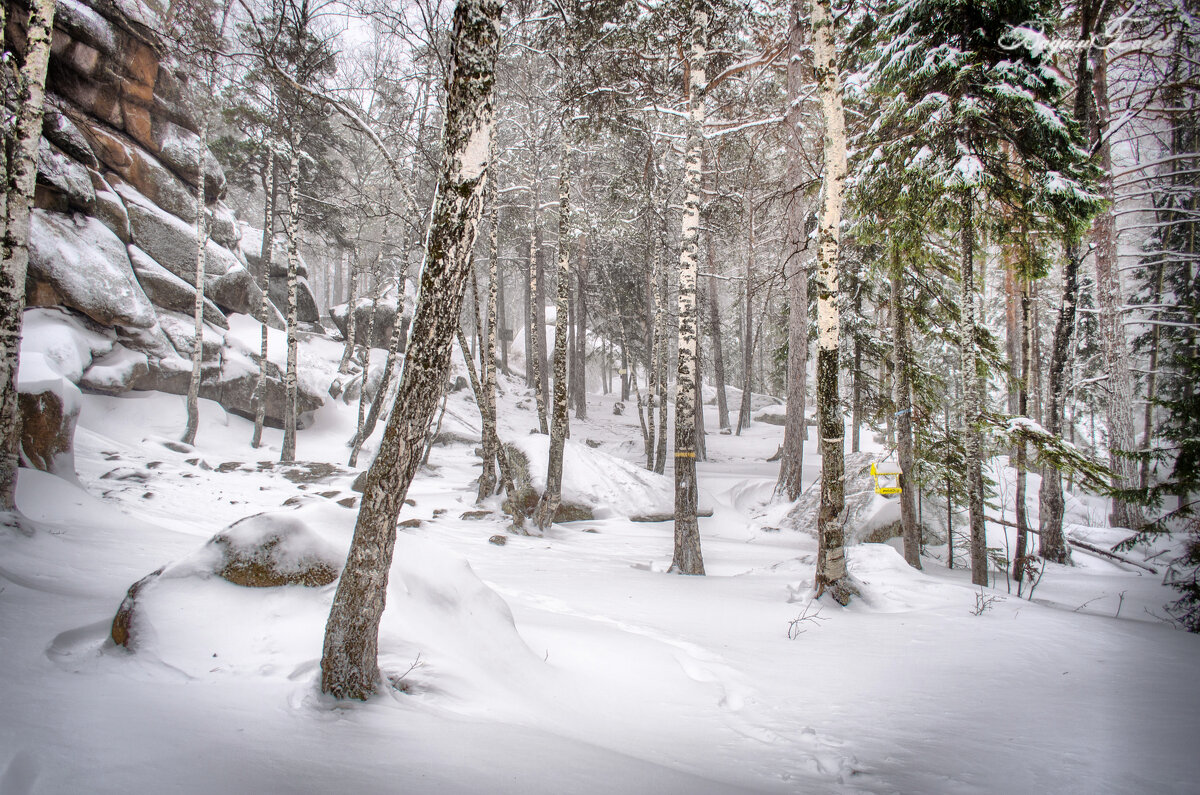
{"x": 564, "y": 663}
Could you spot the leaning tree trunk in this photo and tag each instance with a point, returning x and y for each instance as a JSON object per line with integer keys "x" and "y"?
{"x": 831, "y": 574}
{"x": 288, "y": 453}
{"x": 552, "y": 496}
{"x": 972, "y": 400}
{"x": 21, "y": 145}
{"x": 687, "y": 558}
{"x": 904, "y": 429}
{"x": 193, "y": 394}
{"x": 349, "y": 664}
{"x": 266, "y": 252}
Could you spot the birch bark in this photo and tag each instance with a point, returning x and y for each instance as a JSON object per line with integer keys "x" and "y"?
{"x": 349, "y": 663}
{"x": 687, "y": 557}
{"x": 831, "y": 573}
{"x": 21, "y": 144}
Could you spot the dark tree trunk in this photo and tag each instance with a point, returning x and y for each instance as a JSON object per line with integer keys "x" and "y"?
{"x": 904, "y": 428}
{"x": 349, "y": 664}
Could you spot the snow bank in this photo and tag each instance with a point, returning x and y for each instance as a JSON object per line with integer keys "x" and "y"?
{"x": 609, "y": 485}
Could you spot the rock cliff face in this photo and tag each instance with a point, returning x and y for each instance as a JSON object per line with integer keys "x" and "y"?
{"x": 113, "y": 234}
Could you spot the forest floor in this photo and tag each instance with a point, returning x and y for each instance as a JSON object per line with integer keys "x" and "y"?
{"x": 565, "y": 663}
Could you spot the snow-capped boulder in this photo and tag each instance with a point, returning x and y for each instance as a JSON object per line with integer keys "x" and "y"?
{"x": 772, "y": 415}
{"x": 176, "y": 147}
{"x": 869, "y": 517}
{"x": 115, "y": 372}
{"x": 385, "y": 318}
{"x": 170, "y": 240}
{"x": 273, "y": 549}
{"x": 237, "y": 291}
{"x": 49, "y": 404}
{"x": 88, "y": 268}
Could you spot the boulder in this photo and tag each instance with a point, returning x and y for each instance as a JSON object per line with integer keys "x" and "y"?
{"x": 385, "y": 317}
{"x": 168, "y": 291}
{"x": 268, "y": 550}
{"x": 224, "y": 227}
{"x": 49, "y": 405}
{"x": 171, "y": 241}
{"x": 87, "y": 266}
{"x": 124, "y": 625}
{"x": 176, "y": 146}
{"x": 115, "y": 372}
{"x": 772, "y": 415}
{"x": 527, "y": 495}
{"x": 306, "y": 303}
{"x": 236, "y": 291}
{"x": 181, "y": 331}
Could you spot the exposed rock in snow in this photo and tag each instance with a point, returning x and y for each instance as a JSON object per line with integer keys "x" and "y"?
{"x": 306, "y": 303}
{"x": 169, "y": 291}
{"x": 605, "y": 485}
{"x": 181, "y": 331}
{"x": 86, "y": 264}
{"x": 49, "y": 405}
{"x": 237, "y": 291}
{"x": 171, "y": 241}
{"x": 772, "y": 415}
{"x": 65, "y": 134}
{"x": 223, "y": 227}
{"x": 273, "y": 549}
{"x": 176, "y": 147}
{"x": 115, "y": 372}
{"x": 143, "y": 172}
{"x": 385, "y": 318}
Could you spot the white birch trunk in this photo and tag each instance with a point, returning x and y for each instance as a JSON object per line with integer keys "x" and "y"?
{"x": 193, "y": 395}
{"x": 288, "y": 453}
{"x": 687, "y": 557}
{"x": 264, "y": 306}
{"x": 21, "y": 178}
{"x": 552, "y": 496}
{"x": 831, "y": 574}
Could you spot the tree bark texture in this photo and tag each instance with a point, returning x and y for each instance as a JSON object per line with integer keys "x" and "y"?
{"x": 687, "y": 557}
{"x": 288, "y": 453}
{"x": 552, "y": 496}
{"x": 537, "y": 319}
{"x": 902, "y": 400}
{"x": 487, "y": 402}
{"x": 267, "y": 253}
{"x": 831, "y": 573}
{"x": 193, "y": 395}
{"x": 349, "y": 664}
{"x": 972, "y": 399}
{"x": 795, "y": 431}
{"x": 21, "y": 177}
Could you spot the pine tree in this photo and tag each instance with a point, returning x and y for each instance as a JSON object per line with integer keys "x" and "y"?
{"x": 972, "y": 100}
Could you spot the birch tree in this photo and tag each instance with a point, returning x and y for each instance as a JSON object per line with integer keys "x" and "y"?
{"x": 552, "y": 496}
{"x": 687, "y": 557}
{"x": 21, "y": 137}
{"x": 831, "y": 574}
{"x": 349, "y": 662}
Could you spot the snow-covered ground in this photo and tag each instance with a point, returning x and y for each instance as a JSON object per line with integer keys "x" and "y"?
{"x": 564, "y": 663}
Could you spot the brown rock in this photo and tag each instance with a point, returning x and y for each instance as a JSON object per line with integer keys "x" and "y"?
{"x": 273, "y": 549}
{"x": 122, "y": 631}
{"x": 498, "y": 540}
{"x": 48, "y": 418}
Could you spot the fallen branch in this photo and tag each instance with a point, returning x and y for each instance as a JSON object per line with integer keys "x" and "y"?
{"x": 1104, "y": 553}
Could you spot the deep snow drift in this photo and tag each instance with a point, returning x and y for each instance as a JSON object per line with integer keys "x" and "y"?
{"x": 564, "y": 663}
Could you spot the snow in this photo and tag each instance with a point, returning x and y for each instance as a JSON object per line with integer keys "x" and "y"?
{"x": 568, "y": 662}
{"x": 66, "y": 341}
{"x": 613, "y": 487}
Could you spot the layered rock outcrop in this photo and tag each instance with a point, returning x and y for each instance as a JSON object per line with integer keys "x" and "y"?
{"x": 113, "y": 234}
